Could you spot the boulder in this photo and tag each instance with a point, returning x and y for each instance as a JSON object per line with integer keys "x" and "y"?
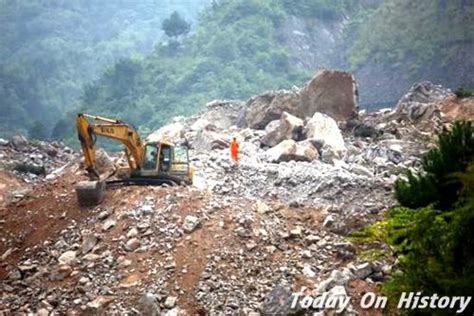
{"x": 209, "y": 140}
{"x": 271, "y": 134}
{"x": 288, "y": 127}
{"x": 19, "y": 142}
{"x": 173, "y": 132}
{"x": 201, "y": 124}
{"x": 419, "y": 103}
{"x": 222, "y": 113}
{"x": 262, "y": 109}
{"x": 305, "y": 151}
{"x": 103, "y": 162}
{"x": 330, "y": 92}
{"x": 284, "y": 151}
{"x": 322, "y": 128}
{"x": 290, "y": 150}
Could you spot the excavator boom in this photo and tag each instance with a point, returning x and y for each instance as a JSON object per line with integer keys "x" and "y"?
{"x": 115, "y": 129}
{"x": 92, "y": 192}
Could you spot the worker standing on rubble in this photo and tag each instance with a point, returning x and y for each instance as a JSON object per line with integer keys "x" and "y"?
{"x": 234, "y": 150}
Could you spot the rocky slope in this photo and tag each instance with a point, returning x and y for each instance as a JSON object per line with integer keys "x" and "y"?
{"x": 245, "y": 236}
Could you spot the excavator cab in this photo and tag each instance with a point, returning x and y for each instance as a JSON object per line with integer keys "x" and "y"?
{"x": 165, "y": 162}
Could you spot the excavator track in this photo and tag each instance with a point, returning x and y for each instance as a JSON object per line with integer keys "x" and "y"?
{"x": 142, "y": 181}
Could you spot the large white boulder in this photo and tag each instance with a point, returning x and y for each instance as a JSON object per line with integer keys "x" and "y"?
{"x": 323, "y": 128}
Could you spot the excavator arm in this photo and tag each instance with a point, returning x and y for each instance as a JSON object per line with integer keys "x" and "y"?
{"x": 89, "y": 127}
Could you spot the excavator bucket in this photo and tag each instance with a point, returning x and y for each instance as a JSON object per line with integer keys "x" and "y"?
{"x": 90, "y": 193}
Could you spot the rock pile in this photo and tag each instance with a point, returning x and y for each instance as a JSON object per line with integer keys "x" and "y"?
{"x": 246, "y": 236}
{"x": 418, "y": 103}
{"x": 34, "y": 161}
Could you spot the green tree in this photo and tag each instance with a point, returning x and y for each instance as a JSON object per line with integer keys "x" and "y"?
{"x": 436, "y": 185}
{"x": 62, "y": 129}
{"x": 38, "y": 131}
{"x": 434, "y": 246}
{"x": 175, "y": 26}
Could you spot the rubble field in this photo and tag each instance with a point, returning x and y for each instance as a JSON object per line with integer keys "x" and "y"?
{"x": 244, "y": 237}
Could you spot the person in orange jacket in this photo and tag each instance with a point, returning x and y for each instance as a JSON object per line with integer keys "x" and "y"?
{"x": 234, "y": 150}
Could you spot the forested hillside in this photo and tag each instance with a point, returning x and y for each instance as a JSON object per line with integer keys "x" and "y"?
{"x": 234, "y": 53}
{"x": 50, "y": 49}
{"x": 245, "y": 47}
{"x": 402, "y": 42}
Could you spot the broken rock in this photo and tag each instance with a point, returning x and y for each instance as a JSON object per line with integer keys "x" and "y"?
{"x": 108, "y": 224}
{"x": 133, "y": 244}
{"x": 170, "y": 301}
{"x": 60, "y": 273}
{"x": 323, "y": 128}
{"x": 149, "y": 305}
{"x": 98, "y": 303}
{"x": 88, "y": 243}
{"x": 190, "y": 223}
{"x": 289, "y": 127}
{"x": 68, "y": 257}
{"x": 278, "y": 302}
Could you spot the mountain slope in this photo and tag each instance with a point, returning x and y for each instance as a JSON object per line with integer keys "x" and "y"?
{"x": 235, "y": 52}
{"x": 49, "y": 49}
{"x": 243, "y": 47}
{"x": 239, "y": 49}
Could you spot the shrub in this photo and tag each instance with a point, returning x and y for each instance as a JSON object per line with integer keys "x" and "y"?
{"x": 436, "y": 185}
{"x": 463, "y": 92}
{"x": 434, "y": 239}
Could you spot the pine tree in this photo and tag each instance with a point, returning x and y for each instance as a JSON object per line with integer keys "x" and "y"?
{"x": 175, "y": 26}
{"x": 437, "y": 185}
{"x": 38, "y": 131}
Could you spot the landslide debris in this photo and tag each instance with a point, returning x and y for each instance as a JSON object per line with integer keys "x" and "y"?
{"x": 243, "y": 238}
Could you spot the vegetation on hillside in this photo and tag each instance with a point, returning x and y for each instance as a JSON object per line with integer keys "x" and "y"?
{"x": 436, "y": 185}
{"x": 434, "y": 239}
{"x": 463, "y": 92}
{"x": 60, "y": 57}
{"x": 234, "y": 53}
{"x": 420, "y": 33}
{"x": 50, "y": 49}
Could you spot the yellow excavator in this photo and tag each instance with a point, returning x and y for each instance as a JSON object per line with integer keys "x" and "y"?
{"x": 157, "y": 162}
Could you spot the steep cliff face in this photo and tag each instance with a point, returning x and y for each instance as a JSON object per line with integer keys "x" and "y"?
{"x": 315, "y": 43}
{"x": 387, "y": 47}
